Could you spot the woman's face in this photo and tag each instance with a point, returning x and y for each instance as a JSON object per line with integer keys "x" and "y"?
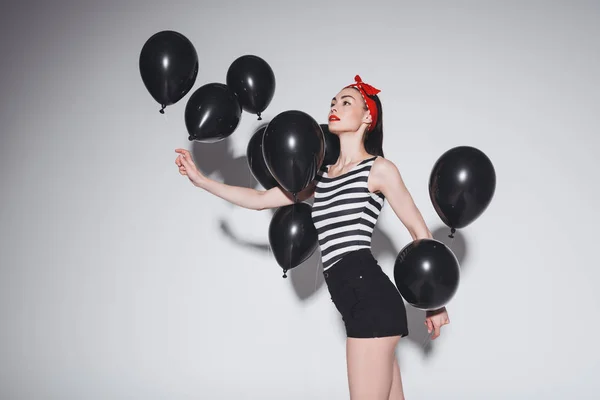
{"x": 348, "y": 112}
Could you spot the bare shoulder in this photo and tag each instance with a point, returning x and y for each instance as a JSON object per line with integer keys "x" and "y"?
{"x": 383, "y": 166}
{"x": 384, "y": 173}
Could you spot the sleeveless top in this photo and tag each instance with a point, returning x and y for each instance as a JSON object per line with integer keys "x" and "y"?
{"x": 345, "y": 212}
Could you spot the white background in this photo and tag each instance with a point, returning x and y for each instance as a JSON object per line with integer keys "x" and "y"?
{"x": 120, "y": 280}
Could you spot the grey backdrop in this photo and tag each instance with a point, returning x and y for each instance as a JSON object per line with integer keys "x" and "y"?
{"x": 120, "y": 280}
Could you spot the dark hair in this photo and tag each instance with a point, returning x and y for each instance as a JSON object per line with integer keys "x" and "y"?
{"x": 373, "y": 139}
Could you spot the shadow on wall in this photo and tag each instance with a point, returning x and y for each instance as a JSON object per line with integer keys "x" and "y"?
{"x": 307, "y": 278}
{"x": 218, "y": 158}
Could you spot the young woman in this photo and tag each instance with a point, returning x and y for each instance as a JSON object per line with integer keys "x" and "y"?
{"x": 348, "y": 197}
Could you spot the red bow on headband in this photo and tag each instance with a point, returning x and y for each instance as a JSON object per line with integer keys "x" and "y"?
{"x": 370, "y": 90}
{"x": 367, "y": 90}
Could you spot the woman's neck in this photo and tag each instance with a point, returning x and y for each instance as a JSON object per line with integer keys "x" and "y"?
{"x": 352, "y": 150}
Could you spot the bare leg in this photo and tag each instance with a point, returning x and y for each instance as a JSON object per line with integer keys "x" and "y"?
{"x": 370, "y": 367}
{"x": 397, "y": 392}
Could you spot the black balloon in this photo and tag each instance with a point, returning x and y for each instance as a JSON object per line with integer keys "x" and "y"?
{"x": 253, "y": 80}
{"x": 293, "y": 148}
{"x": 212, "y": 113}
{"x": 427, "y": 274}
{"x": 461, "y": 186}
{"x": 256, "y": 160}
{"x": 292, "y": 235}
{"x": 168, "y": 66}
{"x": 332, "y": 146}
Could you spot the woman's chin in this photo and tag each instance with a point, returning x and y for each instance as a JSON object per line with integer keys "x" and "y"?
{"x": 334, "y": 127}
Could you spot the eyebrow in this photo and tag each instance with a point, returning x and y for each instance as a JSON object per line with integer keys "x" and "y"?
{"x": 346, "y": 95}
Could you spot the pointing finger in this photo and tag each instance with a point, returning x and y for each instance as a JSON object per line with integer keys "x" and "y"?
{"x": 183, "y": 152}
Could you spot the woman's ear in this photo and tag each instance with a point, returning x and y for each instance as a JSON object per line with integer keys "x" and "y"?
{"x": 367, "y": 119}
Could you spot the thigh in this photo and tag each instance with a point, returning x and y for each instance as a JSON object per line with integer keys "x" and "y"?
{"x": 370, "y": 367}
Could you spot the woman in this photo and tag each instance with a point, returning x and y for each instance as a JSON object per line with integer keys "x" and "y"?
{"x": 348, "y": 197}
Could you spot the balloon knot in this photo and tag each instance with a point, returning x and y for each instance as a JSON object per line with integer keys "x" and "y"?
{"x": 259, "y": 117}
{"x": 162, "y": 110}
{"x": 451, "y": 235}
{"x": 285, "y": 273}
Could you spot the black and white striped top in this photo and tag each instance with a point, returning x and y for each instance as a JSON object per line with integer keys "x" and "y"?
{"x": 345, "y": 212}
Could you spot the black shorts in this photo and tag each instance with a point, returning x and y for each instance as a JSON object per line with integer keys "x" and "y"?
{"x": 368, "y": 301}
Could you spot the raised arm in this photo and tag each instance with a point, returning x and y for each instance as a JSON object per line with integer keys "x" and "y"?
{"x": 249, "y": 198}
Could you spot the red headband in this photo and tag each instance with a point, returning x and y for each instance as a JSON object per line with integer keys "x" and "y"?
{"x": 367, "y": 90}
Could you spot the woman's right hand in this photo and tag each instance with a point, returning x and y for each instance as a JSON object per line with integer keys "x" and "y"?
{"x": 187, "y": 167}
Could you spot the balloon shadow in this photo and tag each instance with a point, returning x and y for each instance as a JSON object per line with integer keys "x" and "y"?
{"x": 211, "y": 158}
{"x": 307, "y": 278}
{"x": 217, "y": 158}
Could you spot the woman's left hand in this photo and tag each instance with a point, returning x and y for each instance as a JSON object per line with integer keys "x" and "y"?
{"x": 435, "y": 320}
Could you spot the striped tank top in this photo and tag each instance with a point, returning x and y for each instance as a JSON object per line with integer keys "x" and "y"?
{"x": 344, "y": 212}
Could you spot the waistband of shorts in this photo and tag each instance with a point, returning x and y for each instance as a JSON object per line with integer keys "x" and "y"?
{"x": 359, "y": 261}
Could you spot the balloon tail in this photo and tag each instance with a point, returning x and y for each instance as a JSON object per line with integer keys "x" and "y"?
{"x": 451, "y": 235}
